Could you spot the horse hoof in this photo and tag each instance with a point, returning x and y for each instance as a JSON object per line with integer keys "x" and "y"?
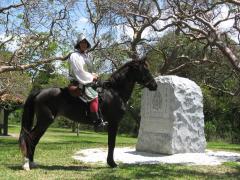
{"x": 33, "y": 165}
{"x": 26, "y": 167}
{"x": 112, "y": 164}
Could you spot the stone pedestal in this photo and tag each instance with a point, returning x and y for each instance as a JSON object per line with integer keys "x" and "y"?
{"x": 172, "y": 118}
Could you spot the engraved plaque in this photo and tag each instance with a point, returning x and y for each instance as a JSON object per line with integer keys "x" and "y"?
{"x": 155, "y": 125}
{"x": 157, "y": 101}
{"x": 157, "y": 104}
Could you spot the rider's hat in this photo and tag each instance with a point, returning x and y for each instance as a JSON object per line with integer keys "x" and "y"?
{"x": 81, "y": 38}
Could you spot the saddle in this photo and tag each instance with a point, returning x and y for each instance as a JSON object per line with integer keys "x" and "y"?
{"x": 78, "y": 92}
{"x": 74, "y": 90}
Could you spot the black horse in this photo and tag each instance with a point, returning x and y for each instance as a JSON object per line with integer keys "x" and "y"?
{"x": 47, "y": 104}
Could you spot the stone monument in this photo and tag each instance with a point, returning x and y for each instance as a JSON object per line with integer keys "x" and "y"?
{"x": 172, "y": 119}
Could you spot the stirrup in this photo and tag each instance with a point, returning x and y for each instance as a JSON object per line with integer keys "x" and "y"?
{"x": 100, "y": 123}
{"x": 100, "y": 126}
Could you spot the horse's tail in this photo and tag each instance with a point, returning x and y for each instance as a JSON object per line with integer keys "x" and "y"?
{"x": 27, "y": 123}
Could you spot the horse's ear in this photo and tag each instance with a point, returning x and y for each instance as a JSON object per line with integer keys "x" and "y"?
{"x": 145, "y": 61}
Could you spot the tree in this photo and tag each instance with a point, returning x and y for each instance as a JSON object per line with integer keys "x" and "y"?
{"x": 111, "y": 21}
{"x": 31, "y": 26}
{"x": 199, "y": 21}
{"x": 126, "y": 30}
{"x": 203, "y": 21}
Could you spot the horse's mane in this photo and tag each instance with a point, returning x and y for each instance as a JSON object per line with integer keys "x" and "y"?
{"x": 120, "y": 71}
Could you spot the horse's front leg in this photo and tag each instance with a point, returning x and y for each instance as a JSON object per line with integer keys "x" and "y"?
{"x": 112, "y": 132}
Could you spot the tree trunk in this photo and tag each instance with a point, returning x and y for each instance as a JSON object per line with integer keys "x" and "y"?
{"x": 73, "y": 127}
{"x": 230, "y": 55}
{"x": 1, "y": 120}
{"x": 5, "y": 123}
{"x": 77, "y": 129}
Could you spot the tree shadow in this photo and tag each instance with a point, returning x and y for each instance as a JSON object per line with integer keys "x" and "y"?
{"x": 15, "y": 167}
{"x": 175, "y": 171}
{"x": 65, "y": 168}
{"x": 58, "y": 167}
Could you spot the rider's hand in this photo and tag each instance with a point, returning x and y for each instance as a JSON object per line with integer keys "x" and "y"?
{"x": 95, "y": 76}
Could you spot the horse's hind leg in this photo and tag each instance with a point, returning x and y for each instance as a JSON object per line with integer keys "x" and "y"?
{"x": 43, "y": 122}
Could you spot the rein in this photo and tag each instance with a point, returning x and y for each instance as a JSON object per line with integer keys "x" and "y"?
{"x": 147, "y": 83}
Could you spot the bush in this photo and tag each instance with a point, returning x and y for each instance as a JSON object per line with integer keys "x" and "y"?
{"x": 222, "y": 114}
{"x": 210, "y": 130}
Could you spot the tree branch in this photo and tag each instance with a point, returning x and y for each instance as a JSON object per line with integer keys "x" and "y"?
{"x": 10, "y": 7}
{"x": 32, "y": 65}
{"x": 221, "y": 90}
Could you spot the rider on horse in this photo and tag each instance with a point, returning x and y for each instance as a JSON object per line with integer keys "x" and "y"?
{"x": 81, "y": 78}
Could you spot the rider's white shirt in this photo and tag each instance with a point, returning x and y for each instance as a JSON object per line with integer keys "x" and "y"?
{"x": 78, "y": 71}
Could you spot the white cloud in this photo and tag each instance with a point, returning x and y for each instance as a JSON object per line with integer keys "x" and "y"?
{"x": 82, "y": 23}
{"x": 82, "y": 20}
{"x": 224, "y": 25}
{"x": 148, "y": 33}
{"x": 124, "y": 30}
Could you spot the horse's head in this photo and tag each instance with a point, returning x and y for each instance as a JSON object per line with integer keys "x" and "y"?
{"x": 143, "y": 75}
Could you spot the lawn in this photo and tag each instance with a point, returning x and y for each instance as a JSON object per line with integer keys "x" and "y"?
{"x": 55, "y": 150}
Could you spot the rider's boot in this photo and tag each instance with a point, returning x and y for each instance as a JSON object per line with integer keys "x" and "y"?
{"x": 97, "y": 121}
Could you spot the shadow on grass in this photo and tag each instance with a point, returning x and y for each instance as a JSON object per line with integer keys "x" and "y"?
{"x": 165, "y": 172}
{"x": 126, "y": 171}
{"x": 64, "y": 168}
{"x": 58, "y": 168}
{"x": 11, "y": 142}
{"x": 65, "y": 142}
{"x": 8, "y": 142}
{"x": 15, "y": 167}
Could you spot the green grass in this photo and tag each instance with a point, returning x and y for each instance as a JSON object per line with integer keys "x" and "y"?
{"x": 55, "y": 149}
{"x": 224, "y": 146}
